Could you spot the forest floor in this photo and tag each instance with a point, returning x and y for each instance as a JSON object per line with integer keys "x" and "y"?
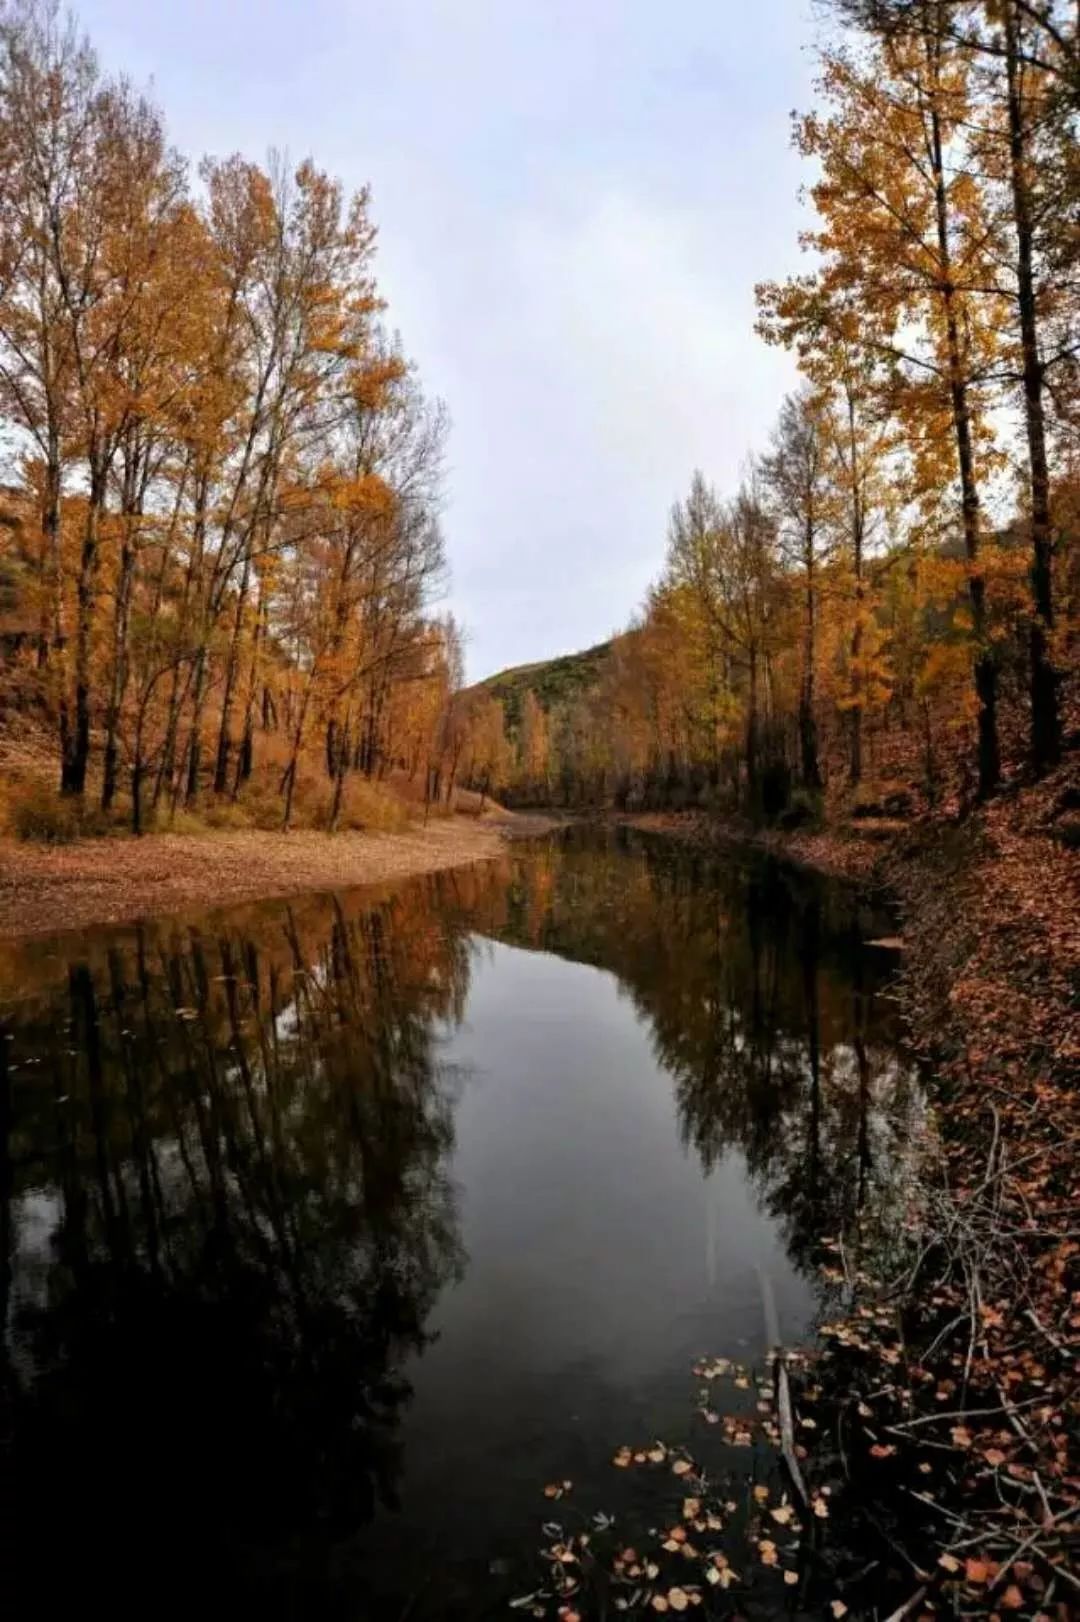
{"x": 48, "y": 888}
{"x": 970, "y": 1402}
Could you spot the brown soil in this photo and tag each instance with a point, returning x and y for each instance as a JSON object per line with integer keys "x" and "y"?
{"x": 46, "y": 889}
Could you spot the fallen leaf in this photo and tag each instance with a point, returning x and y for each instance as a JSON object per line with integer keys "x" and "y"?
{"x": 949, "y": 1561}
{"x": 783, "y": 1514}
{"x": 681, "y": 1467}
{"x": 1012, "y": 1599}
{"x": 838, "y": 1609}
{"x": 791, "y": 1578}
{"x": 678, "y": 1599}
{"x": 761, "y": 1494}
{"x": 659, "y": 1603}
{"x": 976, "y": 1571}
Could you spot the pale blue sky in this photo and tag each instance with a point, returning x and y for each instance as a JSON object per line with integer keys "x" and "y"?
{"x": 574, "y": 198}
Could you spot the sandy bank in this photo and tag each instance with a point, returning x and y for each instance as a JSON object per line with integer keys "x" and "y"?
{"x": 46, "y": 889}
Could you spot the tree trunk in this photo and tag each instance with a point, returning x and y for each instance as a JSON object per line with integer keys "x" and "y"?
{"x": 119, "y": 677}
{"x": 1045, "y": 712}
{"x": 989, "y": 761}
{"x": 73, "y": 776}
{"x": 811, "y": 769}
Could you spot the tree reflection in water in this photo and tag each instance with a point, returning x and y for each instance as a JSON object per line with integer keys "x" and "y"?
{"x": 230, "y": 1216}
{"x": 766, "y": 1009}
{"x": 228, "y": 1212}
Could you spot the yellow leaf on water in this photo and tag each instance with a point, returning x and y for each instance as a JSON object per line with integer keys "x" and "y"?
{"x": 681, "y": 1467}
{"x": 761, "y": 1494}
{"x": 791, "y": 1578}
{"x": 783, "y": 1514}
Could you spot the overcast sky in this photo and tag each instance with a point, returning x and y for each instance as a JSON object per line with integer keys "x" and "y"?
{"x": 574, "y": 200}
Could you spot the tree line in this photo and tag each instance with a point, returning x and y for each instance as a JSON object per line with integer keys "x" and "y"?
{"x": 892, "y": 590}
{"x": 222, "y": 536}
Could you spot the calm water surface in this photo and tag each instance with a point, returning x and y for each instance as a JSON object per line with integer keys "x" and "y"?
{"x": 334, "y": 1228}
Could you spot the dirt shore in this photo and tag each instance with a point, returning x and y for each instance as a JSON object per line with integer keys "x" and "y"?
{"x": 46, "y": 889}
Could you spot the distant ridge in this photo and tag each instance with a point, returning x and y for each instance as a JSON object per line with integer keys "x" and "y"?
{"x": 553, "y": 681}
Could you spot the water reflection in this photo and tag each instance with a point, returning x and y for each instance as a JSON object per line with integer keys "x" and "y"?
{"x": 230, "y": 1197}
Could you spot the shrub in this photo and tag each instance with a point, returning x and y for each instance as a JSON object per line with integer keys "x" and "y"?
{"x": 40, "y": 815}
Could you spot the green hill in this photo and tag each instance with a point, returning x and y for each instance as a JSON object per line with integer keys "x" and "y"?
{"x": 554, "y": 681}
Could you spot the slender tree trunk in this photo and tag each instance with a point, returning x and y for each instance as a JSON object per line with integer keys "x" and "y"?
{"x": 1045, "y": 712}
{"x": 119, "y": 675}
{"x": 232, "y": 667}
{"x": 75, "y": 766}
{"x": 989, "y": 761}
{"x": 811, "y": 769}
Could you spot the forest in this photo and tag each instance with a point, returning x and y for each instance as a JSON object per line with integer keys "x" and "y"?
{"x": 223, "y": 554}
{"x": 891, "y": 593}
{"x": 221, "y": 527}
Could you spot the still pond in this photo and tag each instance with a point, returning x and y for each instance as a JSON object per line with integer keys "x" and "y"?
{"x": 335, "y": 1228}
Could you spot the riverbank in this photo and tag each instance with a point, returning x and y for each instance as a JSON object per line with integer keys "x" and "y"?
{"x": 834, "y": 852}
{"x": 959, "y": 1415}
{"x": 45, "y": 889}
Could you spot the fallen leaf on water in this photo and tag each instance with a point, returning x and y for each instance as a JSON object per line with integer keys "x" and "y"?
{"x": 783, "y": 1514}
{"x": 621, "y": 1459}
{"x": 677, "y": 1599}
{"x": 657, "y": 1454}
{"x": 838, "y": 1609}
{"x": 681, "y": 1467}
{"x": 691, "y": 1509}
{"x": 949, "y": 1561}
{"x": 761, "y": 1494}
{"x": 821, "y": 1509}
{"x": 791, "y": 1578}
{"x": 659, "y": 1603}
{"x": 553, "y": 1490}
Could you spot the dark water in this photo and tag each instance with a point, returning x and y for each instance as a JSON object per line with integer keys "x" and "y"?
{"x": 334, "y": 1229}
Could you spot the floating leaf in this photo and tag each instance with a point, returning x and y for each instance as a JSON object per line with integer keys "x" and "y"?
{"x": 681, "y": 1467}
{"x": 678, "y": 1599}
{"x": 791, "y": 1578}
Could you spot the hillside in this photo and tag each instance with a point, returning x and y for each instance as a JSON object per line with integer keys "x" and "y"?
{"x": 554, "y": 681}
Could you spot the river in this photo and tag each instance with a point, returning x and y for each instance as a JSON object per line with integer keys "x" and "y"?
{"x": 335, "y": 1229}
